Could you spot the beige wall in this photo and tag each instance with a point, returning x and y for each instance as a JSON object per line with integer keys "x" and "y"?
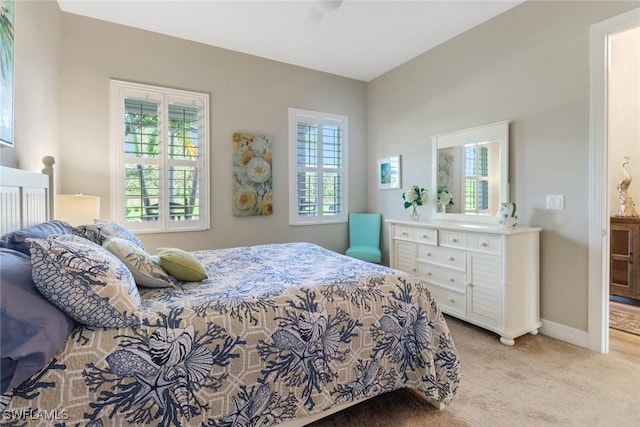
{"x": 529, "y": 65}
{"x": 624, "y": 114}
{"x": 248, "y": 94}
{"x": 36, "y": 58}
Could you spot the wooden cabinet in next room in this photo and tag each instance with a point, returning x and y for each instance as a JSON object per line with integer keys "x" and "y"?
{"x": 624, "y": 268}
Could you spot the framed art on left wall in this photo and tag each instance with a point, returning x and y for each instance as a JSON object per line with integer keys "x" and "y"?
{"x": 6, "y": 71}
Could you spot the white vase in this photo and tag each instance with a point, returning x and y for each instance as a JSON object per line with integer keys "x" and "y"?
{"x": 507, "y": 214}
{"x": 414, "y": 215}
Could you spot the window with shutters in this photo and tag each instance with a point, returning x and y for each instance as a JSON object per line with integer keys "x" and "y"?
{"x": 476, "y": 167}
{"x": 160, "y": 141}
{"x": 317, "y": 167}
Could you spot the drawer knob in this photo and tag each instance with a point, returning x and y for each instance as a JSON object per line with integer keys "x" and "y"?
{"x": 484, "y": 244}
{"x": 451, "y": 279}
{"x": 413, "y": 269}
{"x": 454, "y": 240}
{"x": 404, "y": 233}
{"x": 452, "y": 300}
{"x": 428, "y": 273}
{"x": 451, "y": 258}
{"x": 428, "y": 253}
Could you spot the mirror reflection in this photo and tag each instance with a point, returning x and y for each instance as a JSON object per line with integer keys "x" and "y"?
{"x": 467, "y": 178}
{"x": 470, "y": 173}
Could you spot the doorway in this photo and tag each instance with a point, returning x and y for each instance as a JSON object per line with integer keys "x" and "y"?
{"x": 599, "y": 205}
{"x": 623, "y": 130}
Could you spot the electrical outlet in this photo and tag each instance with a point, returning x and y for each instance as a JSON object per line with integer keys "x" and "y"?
{"x": 555, "y": 202}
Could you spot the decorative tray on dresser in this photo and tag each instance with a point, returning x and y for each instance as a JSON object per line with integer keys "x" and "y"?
{"x": 484, "y": 274}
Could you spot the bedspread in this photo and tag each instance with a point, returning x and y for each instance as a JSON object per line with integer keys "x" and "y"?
{"x": 277, "y": 332}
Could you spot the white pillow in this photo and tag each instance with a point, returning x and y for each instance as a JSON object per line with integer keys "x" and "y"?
{"x": 85, "y": 281}
{"x": 145, "y": 269}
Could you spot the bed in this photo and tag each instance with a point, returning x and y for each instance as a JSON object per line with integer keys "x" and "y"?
{"x": 268, "y": 338}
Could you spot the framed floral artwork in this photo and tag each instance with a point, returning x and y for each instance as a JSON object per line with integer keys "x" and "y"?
{"x": 252, "y": 183}
{"x": 389, "y": 173}
{"x": 6, "y": 72}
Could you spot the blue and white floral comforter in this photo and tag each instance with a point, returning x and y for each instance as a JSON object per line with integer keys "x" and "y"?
{"x": 277, "y": 332}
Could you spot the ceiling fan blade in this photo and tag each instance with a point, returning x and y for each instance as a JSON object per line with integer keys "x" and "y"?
{"x": 328, "y": 5}
{"x": 314, "y": 16}
{"x": 318, "y": 9}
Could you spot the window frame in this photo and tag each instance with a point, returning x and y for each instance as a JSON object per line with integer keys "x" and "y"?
{"x": 121, "y": 90}
{"x": 296, "y": 116}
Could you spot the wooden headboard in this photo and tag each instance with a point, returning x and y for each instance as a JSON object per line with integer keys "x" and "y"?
{"x": 25, "y": 197}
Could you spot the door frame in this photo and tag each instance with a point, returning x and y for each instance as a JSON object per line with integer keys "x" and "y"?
{"x": 598, "y": 287}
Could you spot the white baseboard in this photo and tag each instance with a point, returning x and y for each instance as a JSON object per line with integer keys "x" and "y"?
{"x": 565, "y": 333}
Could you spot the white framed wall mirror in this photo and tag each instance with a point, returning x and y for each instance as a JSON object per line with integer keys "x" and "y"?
{"x": 470, "y": 173}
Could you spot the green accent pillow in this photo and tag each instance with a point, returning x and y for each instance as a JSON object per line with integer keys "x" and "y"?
{"x": 181, "y": 265}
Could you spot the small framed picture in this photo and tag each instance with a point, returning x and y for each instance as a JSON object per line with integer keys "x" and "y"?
{"x": 389, "y": 173}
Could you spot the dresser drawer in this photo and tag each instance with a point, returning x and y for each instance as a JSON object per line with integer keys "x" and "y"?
{"x": 446, "y": 277}
{"x": 450, "y": 301}
{"x": 422, "y": 235}
{"x": 453, "y": 239}
{"x": 474, "y": 242}
{"x": 484, "y": 243}
{"x": 403, "y": 232}
{"x": 452, "y": 258}
{"x": 426, "y": 235}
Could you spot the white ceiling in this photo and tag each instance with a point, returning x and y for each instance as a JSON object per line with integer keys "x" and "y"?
{"x": 361, "y": 39}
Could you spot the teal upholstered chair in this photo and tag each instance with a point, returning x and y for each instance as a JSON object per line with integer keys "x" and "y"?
{"x": 364, "y": 236}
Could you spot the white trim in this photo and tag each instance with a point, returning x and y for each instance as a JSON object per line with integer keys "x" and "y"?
{"x": 498, "y": 131}
{"x": 120, "y": 90}
{"x": 296, "y": 115}
{"x": 564, "y": 333}
{"x": 598, "y": 291}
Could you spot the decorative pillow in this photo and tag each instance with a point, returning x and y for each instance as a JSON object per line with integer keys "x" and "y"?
{"x": 33, "y": 329}
{"x": 85, "y": 281}
{"x": 181, "y": 265}
{"x": 16, "y": 239}
{"x": 102, "y": 229}
{"x": 146, "y": 271}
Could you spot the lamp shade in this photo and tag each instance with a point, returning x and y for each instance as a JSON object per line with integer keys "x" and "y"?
{"x": 77, "y": 209}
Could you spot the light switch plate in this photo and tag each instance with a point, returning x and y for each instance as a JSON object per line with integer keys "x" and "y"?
{"x": 555, "y": 201}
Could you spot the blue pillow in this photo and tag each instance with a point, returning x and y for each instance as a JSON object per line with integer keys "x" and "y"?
{"x": 16, "y": 239}
{"x": 102, "y": 229}
{"x": 86, "y": 281}
{"x": 33, "y": 329}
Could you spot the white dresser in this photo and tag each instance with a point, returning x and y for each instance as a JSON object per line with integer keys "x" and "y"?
{"x": 481, "y": 273}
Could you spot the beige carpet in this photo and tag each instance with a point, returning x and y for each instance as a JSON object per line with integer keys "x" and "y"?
{"x": 624, "y": 317}
{"x": 538, "y": 382}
